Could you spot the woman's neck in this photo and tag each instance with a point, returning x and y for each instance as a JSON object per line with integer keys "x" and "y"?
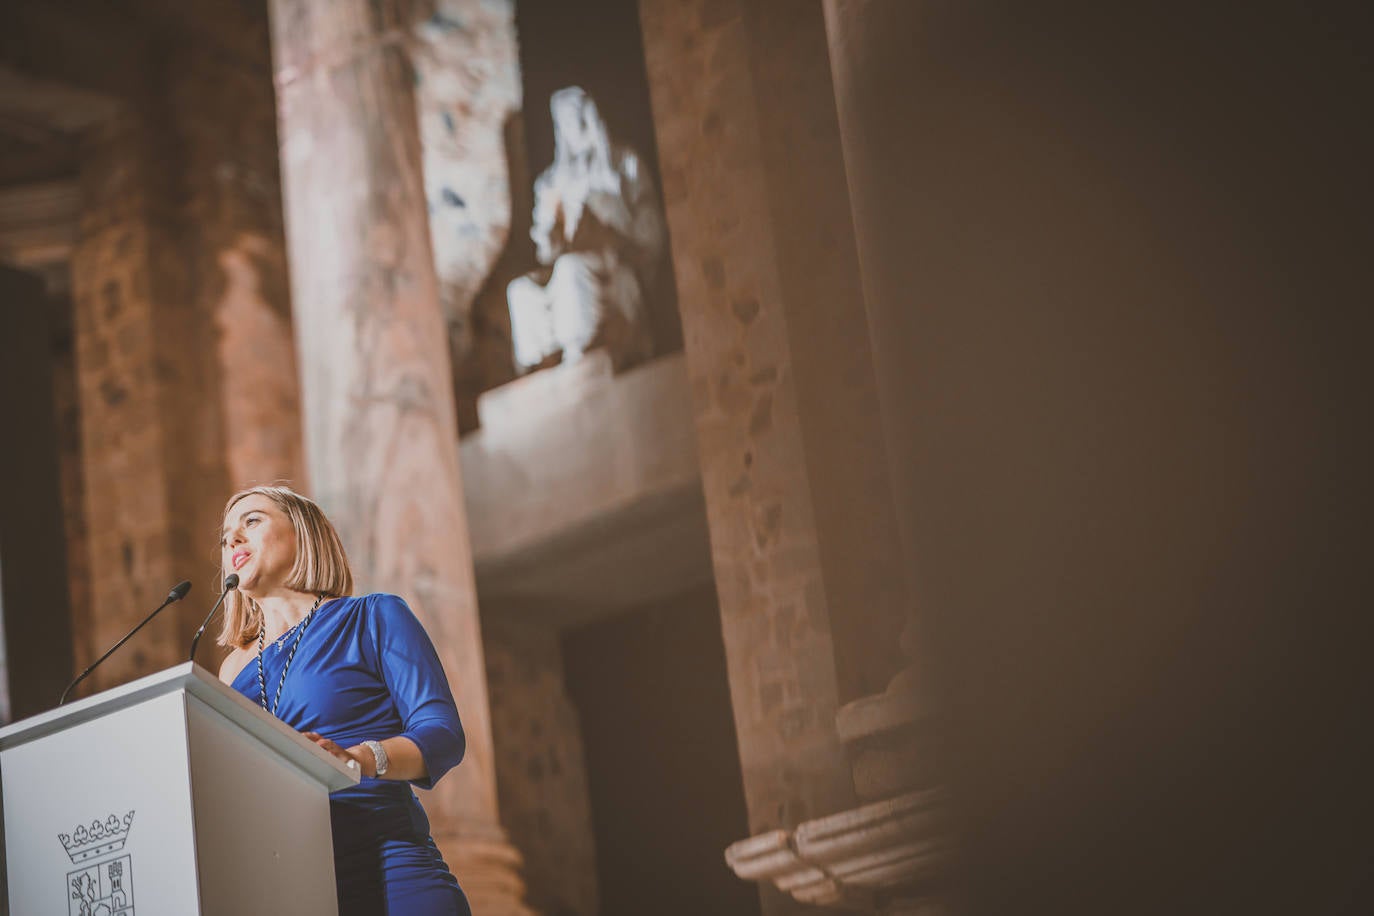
{"x": 283, "y": 610}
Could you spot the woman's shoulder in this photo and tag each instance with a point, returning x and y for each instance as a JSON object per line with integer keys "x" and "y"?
{"x": 382, "y": 603}
{"x": 381, "y": 619}
{"x": 233, "y": 664}
{"x": 375, "y": 607}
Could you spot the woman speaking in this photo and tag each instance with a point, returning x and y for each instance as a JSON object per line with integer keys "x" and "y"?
{"x": 359, "y": 677}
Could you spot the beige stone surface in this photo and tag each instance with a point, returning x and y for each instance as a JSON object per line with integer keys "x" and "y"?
{"x": 802, "y": 170}
{"x": 183, "y": 394}
{"x": 467, "y": 86}
{"x": 775, "y": 619}
{"x": 802, "y": 535}
{"x": 562, "y": 446}
{"x": 126, "y": 276}
{"x": 225, "y": 112}
{"x": 38, "y": 223}
{"x": 257, "y": 359}
{"x": 584, "y": 493}
{"x": 166, "y": 175}
{"x": 856, "y": 859}
{"x": 540, "y": 765}
{"x": 380, "y": 427}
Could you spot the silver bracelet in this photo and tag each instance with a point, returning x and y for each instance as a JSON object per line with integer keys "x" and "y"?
{"x": 379, "y": 754}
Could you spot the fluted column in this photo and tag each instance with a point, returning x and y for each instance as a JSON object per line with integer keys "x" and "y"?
{"x": 803, "y": 538}
{"x": 381, "y": 437}
{"x": 868, "y": 57}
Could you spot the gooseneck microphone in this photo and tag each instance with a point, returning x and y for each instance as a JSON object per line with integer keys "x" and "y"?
{"x": 231, "y": 582}
{"x": 176, "y": 594}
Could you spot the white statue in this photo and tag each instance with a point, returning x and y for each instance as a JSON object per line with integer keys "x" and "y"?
{"x": 599, "y": 233}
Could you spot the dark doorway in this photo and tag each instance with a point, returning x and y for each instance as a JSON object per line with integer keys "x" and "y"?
{"x": 34, "y": 602}
{"x": 662, "y": 761}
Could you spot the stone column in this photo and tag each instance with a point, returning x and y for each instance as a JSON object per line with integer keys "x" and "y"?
{"x": 179, "y": 260}
{"x": 468, "y": 96}
{"x": 893, "y": 748}
{"x": 803, "y": 537}
{"x": 224, "y": 108}
{"x": 541, "y": 765}
{"x": 380, "y": 428}
{"x": 128, "y": 277}
{"x": 870, "y": 60}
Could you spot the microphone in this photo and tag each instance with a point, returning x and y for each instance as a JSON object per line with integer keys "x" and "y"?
{"x": 176, "y": 594}
{"x": 231, "y": 582}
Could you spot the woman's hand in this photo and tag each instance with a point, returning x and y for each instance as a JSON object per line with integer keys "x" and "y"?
{"x": 358, "y": 756}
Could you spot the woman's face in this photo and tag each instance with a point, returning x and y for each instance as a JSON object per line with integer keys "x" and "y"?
{"x": 258, "y": 543}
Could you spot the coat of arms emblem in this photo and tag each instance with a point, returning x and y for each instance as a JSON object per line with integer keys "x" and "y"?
{"x": 100, "y": 886}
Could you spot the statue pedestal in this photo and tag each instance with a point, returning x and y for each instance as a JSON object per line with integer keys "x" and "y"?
{"x": 887, "y": 855}
{"x": 548, "y": 394}
{"x": 889, "y": 740}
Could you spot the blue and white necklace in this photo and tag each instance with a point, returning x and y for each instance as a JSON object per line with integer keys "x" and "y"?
{"x": 262, "y": 644}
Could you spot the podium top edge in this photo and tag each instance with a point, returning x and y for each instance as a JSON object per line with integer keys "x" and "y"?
{"x": 196, "y": 681}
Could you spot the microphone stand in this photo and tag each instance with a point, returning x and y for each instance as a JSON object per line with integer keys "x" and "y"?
{"x": 231, "y": 582}
{"x": 176, "y": 594}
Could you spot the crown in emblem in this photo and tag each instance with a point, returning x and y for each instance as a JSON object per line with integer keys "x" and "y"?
{"x": 100, "y": 837}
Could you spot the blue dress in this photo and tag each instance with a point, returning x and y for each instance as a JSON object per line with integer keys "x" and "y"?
{"x": 365, "y": 669}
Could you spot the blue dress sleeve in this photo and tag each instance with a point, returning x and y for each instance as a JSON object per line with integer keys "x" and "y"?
{"x": 412, "y": 672}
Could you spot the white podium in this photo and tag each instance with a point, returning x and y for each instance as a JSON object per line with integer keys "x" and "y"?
{"x": 168, "y": 796}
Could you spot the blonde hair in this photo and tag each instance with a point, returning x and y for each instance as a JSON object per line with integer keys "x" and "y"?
{"x": 321, "y": 566}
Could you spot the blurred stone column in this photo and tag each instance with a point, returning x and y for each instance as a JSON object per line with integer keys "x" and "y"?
{"x": 135, "y": 375}
{"x": 871, "y": 66}
{"x": 225, "y": 113}
{"x": 894, "y": 736}
{"x": 187, "y": 385}
{"x": 381, "y": 435}
{"x": 803, "y": 536}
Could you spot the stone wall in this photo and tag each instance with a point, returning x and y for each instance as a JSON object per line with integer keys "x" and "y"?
{"x": 759, "y": 505}
{"x": 541, "y": 774}
{"x": 182, "y": 327}
{"x": 380, "y": 424}
{"x": 663, "y": 766}
{"x": 222, "y": 108}
{"x": 127, "y": 272}
{"x": 802, "y": 532}
{"x": 467, "y": 93}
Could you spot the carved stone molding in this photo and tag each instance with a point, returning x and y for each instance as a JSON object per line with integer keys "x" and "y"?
{"x": 852, "y": 860}
{"x": 888, "y": 855}
{"x": 38, "y": 223}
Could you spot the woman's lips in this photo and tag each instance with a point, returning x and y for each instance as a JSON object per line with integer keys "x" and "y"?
{"x": 239, "y": 559}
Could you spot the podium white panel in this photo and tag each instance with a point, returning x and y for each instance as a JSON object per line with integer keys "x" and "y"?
{"x": 169, "y": 796}
{"x": 262, "y": 834}
{"x": 133, "y": 764}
